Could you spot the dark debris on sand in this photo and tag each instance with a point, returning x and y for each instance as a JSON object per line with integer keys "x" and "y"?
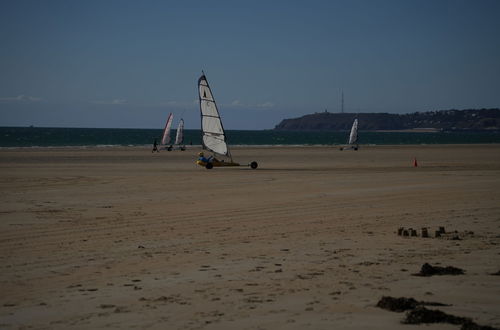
{"x": 428, "y": 270}
{"x": 403, "y": 304}
{"x": 418, "y": 314}
{"x": 423, "y": 315}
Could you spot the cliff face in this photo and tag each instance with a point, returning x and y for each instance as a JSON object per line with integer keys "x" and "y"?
{"x": 444, "y": 120}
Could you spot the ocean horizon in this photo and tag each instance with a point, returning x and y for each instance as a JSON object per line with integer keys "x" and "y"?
{"x": 78, "y": 137}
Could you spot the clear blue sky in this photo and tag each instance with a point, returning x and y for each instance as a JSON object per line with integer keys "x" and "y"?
{"x": 119, "y": 63}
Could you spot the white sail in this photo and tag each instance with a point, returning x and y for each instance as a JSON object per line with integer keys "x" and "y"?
{"x": 353, "y": 137}
{"x": 179, "y": 137}
{"x": 166, "y": 132}
{"x": 214, "y": 138}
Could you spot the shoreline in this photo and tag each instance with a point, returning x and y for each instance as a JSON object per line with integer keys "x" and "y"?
{"x": 242, "y": 146}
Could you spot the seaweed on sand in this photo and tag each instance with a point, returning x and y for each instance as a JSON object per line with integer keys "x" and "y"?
{"x": 428, "y": 270}
{"x": 418, "y": 314}
{"x": 423, "y": 315}
{"x": 403, "y": 304}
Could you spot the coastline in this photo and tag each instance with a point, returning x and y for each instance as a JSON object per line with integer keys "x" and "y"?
{"x": 121, "y": 237}
{"x": 411, "y": 130}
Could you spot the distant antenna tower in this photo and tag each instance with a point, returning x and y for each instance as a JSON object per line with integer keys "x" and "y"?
{"x": 342, "y": 103}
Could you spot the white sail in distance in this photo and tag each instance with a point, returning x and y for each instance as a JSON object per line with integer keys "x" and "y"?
{"x": 353, "y": 137}
{"x": 166, "y": 132}
{"x": 214, "y": 138}
{"x": 179, "y": 136}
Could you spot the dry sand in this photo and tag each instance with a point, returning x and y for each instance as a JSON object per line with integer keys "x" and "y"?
{"x": 122, "y": 238}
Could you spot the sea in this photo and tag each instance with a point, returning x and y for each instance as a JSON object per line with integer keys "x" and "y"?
{"x": 14, "y": 137}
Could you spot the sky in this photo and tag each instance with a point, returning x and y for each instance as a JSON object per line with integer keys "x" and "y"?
{"x": 128, "y": 64}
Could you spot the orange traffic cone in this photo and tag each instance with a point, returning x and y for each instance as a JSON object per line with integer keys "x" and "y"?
{"x": 415, "y": 164}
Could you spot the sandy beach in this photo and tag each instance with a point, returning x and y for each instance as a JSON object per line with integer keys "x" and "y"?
{"x": 122, "y": 238}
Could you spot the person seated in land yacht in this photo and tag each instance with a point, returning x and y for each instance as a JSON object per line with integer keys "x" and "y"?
{"x": 210, "y": 159}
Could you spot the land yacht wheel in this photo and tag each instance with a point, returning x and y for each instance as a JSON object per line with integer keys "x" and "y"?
{"x": 209, "y": 166}
{"x": 254, "y": 165}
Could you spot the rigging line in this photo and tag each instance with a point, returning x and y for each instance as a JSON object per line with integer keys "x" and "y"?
{"x": 182, "y": 114}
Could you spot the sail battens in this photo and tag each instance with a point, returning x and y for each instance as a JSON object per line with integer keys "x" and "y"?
{"x": 214, "y": 138}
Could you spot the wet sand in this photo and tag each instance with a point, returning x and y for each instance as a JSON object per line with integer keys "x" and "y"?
{"x": 123, "y": 238}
